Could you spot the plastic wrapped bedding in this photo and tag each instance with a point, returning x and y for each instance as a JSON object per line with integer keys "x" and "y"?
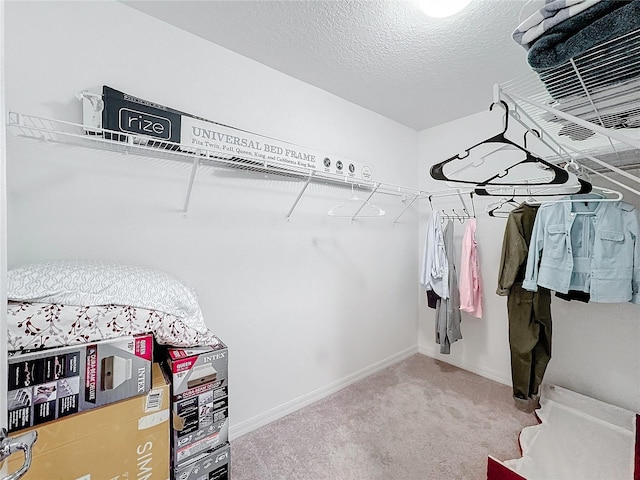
{"x": 47, "y": 325}
{"x": 578, "y": 437}
{"x": 63, "y": 302}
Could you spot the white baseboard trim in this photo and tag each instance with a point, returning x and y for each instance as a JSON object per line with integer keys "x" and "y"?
{"x": 479, "y": 370}
{"x": 280, "y": 411}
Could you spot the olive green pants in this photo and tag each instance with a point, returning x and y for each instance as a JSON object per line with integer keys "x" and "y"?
{"x": 529, "y": 338}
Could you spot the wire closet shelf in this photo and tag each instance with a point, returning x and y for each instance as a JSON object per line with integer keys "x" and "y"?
{"x": 57, "y": 131}
{"x": 588, "y": 107}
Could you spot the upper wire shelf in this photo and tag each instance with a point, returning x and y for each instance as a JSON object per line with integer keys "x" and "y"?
{"x": 57, "y": 131}
{"x": 590, "y": 104}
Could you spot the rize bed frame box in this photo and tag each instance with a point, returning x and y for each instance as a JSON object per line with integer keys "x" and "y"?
{"x": 209, "y": 465}
{"x": 45, "y": 385}
{"x": 120, "y": 117}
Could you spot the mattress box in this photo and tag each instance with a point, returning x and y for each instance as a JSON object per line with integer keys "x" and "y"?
{"x": 199, "y": 395}
{"x": 124, "y": 440}
{"x": 197, "y": 366}
{"x": 200, "y": 422}
{"x": 45, "y": 385}
{"x": 209, "y": 465}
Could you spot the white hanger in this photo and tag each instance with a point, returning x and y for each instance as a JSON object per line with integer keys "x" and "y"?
{"x": 374, "y": 211}
{"x": 606, "y": 195}
{"x": 495, "y": 209}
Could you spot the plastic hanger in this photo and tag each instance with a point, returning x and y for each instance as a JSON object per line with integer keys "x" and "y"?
{"x": 583, "y": 187}
{"x": 560, "y": 176}
{"x": 340, "y": 210}
{"x": 604, "y": 195}
{"x": 495, "y": 209}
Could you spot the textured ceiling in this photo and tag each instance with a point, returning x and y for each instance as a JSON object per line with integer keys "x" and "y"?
{"x": 384, "y": 55}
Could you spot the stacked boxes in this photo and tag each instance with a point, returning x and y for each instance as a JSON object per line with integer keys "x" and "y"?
{"x": 49, "y": 384}
{"x": 200, "y": 408}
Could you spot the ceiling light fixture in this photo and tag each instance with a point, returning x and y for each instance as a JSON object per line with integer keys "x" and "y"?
{"x": 442, "y": 8}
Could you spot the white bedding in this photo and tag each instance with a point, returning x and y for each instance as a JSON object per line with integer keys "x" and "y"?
{"x": 578, "y": 438}
{"x": 46, "y": 325}
{"x": 63, "y": 302}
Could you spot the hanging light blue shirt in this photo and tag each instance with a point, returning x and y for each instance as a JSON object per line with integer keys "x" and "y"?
{"x": 593, "y": 247}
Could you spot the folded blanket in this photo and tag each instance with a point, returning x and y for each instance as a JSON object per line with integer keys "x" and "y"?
{"x": 554, "y": 12}
{"x": 604, "y": 21}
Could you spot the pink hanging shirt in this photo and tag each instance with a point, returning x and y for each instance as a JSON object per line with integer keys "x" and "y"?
{"x": 469, "y": 281}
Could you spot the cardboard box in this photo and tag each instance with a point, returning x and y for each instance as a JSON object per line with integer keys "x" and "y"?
{"x": 197, "y": 366}
{"x": 132, "y": 115}
{"x": 127, "y": 118}
{"x": 48, "y": 384}
{"x": 200, "y": 399}
{"x": 122, "y": 441}
{"x": 197, "y": 427}
{"x": 210, "y": 465}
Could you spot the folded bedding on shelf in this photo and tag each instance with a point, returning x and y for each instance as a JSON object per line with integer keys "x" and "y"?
{"x": 578, "y": 437}
{"x": 603, "y": 21}
{"x": 98, "y": 300}
{"x": 553, "y": 12}
{"x": 34, "y": 326}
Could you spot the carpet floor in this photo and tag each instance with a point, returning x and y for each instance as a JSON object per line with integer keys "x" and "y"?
{"x": 419, "y": 419}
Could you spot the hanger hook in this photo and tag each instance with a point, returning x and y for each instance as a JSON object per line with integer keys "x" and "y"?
{"x": 504, "y": 105}
{"x": 531, "y": 130}
{"x": 473, "y": 205}
{"x": 573, "y": 164}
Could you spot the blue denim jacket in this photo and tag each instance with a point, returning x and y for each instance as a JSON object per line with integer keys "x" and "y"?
{"x": 592, "y": 247}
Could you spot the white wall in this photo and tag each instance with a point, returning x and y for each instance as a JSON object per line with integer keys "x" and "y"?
{"x": 304, "y": 306}
{"x": 3, "y": 240}
{"x": 596, "y": 347}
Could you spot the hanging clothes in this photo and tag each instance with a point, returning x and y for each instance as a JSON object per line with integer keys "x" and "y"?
{"x": 590, "y": 247}
{"x": 435, "y": 268}
{"x": 448, "y": 317}
{"x": 529, "y": 312}
{"x": 470, "y": 286}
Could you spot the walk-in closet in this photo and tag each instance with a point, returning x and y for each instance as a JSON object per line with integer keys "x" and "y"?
{"x": 312, "y": 240}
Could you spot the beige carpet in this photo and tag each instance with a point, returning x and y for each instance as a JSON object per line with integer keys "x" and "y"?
{"x": 420, "y": 419}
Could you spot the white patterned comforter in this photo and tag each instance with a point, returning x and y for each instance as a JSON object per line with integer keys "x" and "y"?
{"x": 44, "y": 325}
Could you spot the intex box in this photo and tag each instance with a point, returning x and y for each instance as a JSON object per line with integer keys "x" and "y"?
{"x": 200, "y": 399}
{"x": 196, "y": 366}
{"x": 209, "y": 465}
{"x": 125, "y": 440}
{"x": 54, "y": 383}
{"x": 200, "y": 421}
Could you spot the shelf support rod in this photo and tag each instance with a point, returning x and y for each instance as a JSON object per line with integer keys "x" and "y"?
{"x": 365, "y": 202}
{"x": 295, "y": 204}
{"x": 415, "y": 197}
{"x": 194, "y": 168}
